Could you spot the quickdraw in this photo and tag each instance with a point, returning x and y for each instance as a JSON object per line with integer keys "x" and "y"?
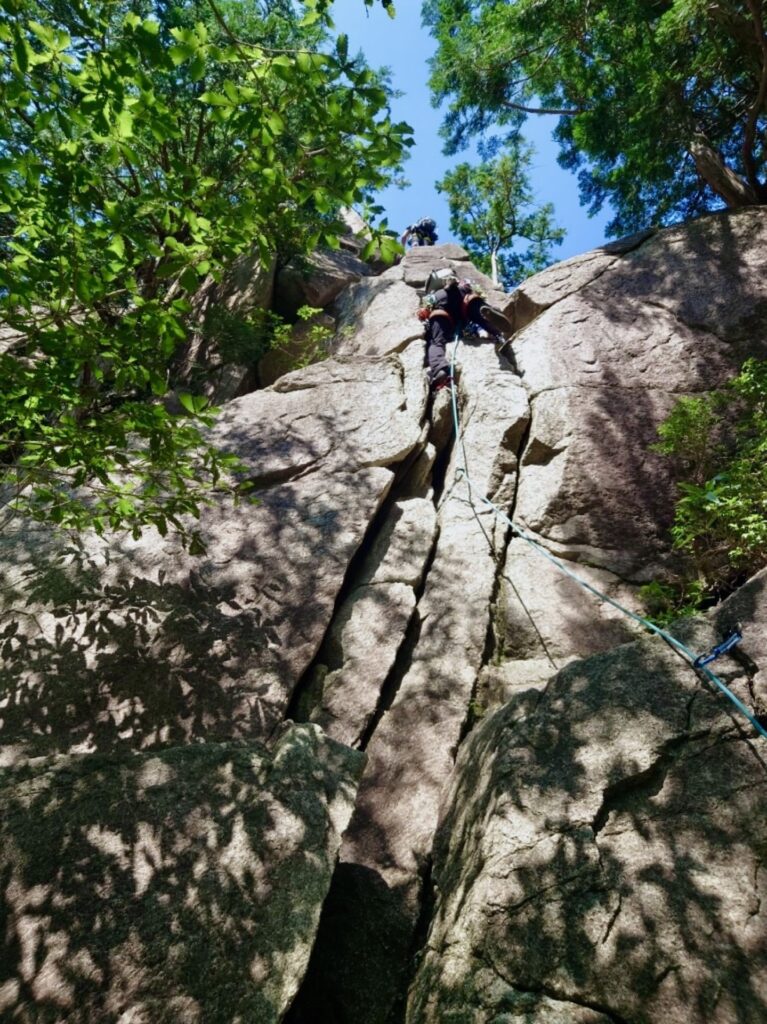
{"x": 726, "y": 645}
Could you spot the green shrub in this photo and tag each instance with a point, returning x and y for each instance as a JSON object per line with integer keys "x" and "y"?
{"x": 244, "y": 338}
{"x": 314, "y": 345}
{"x": 719, "y": 446}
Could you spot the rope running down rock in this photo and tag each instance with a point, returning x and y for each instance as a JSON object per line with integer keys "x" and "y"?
{"x": 687, "y": 654}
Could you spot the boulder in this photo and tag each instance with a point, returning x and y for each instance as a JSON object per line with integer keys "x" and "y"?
{"x": 420, "y": 260}
{"x": 180, "y": 885}
{"x": 315, "y": 280}
{"x": 220, "y": 357}
{"x": 419, "y": 263}
{"x": 356, "y": 234}
{"x": 601, "y": 846}
{"x": 249, "y": 285}
{"x": 376, "y": 317}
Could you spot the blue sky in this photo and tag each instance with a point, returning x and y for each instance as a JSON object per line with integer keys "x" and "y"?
{"x": 401, "y": 44}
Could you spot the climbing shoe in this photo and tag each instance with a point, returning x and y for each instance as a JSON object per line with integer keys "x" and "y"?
{"x": 497, "y": 320}
{"x": 442, "y": 380}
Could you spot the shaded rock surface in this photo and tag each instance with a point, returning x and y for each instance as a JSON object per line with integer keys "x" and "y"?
{"x": 121, "y": 643}
{"x": 544, "y": 619}
{"x": 316, "y": 280}
{"x": 221, "y": 356}
{"x": 604, "y": 364}
{"x": 362, "y": 645}
{"x": 602, "y": 846}
{"x": 181, "y": 885}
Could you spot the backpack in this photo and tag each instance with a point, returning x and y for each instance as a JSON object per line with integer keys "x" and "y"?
{"x": 438, "y": 279}
{"x": 425, "y": 226}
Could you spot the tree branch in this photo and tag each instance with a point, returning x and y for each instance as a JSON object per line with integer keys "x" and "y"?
{"x": 719, "y": 177}
{"x": 542, "y": 110}
{"x": 749, "y": 135}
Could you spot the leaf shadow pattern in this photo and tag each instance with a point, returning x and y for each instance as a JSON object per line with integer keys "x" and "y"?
{"x": 117, "y": 659}
{"x": 182, "y": 885}
{"x": 602, "y": 853}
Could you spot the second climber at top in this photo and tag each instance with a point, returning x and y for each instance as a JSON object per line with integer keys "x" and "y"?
{"x": 423, "y": 232}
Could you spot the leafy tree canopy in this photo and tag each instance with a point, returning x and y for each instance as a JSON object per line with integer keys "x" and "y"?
{"x": 143, "y": 146}
{"x": 662, "y": 104}
{"x": 492, "y": 208}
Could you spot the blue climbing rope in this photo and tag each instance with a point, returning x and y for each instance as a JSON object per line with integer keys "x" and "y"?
{"x": 697, "y": 662}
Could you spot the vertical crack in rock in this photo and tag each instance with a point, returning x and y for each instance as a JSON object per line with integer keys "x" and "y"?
{"x": 615, "y": 914}
{"x": 443, "y": 460}
{"x": 750, "y": 670}
{"x": 303, "y": 696}
{"x": 491, "y": 648}
{"x": 398, "y": 1012}
{"x": 758, "y": 864}
{"x": 364, "y": 956}
{"x": 524, "y": 441}
{"x": 404, "y": 657}
{"x": 473, "y": 712}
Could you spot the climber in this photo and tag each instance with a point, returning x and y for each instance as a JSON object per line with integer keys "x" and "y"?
{"x": 443, "y": 315}
{"x": 455, "y": 308}
{"x": 423, "y": 232}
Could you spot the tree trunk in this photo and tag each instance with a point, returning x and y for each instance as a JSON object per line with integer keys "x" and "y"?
{"x": 726, "y": 183}
{"x": 494, "y": 265}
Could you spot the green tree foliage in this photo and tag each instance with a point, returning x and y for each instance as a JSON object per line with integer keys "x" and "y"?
{"x": 144, "y": 145}
{"x": 492, "y": 208}
{"x": 718, "y": 444}
{"x": 662, "y": 104}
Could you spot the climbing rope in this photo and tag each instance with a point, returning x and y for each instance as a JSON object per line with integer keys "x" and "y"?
{"x": 697, "y": 662}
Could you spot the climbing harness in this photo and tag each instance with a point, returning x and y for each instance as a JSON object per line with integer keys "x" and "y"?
{"x": 698, "y": 663}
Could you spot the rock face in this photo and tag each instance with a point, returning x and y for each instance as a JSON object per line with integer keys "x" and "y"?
{"x": 601, "y": 849}
{"x": 221, "y": 356}
{"x": 603, "y": 366}
{"x": 599, "y": 830}
{"x": 316, "y": 280}
{"x": 132, "y": 644}
{"x": 180, "y": 885}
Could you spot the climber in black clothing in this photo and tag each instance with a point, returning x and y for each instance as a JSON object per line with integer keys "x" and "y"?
{"x": 423, "y": 232}
{"x": 454, "y": 308}
{"x": 445, "y": 318}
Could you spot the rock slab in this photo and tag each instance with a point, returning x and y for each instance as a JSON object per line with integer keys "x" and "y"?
{"x": 184, "y": 885}
{"x": 602, "y": 846}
